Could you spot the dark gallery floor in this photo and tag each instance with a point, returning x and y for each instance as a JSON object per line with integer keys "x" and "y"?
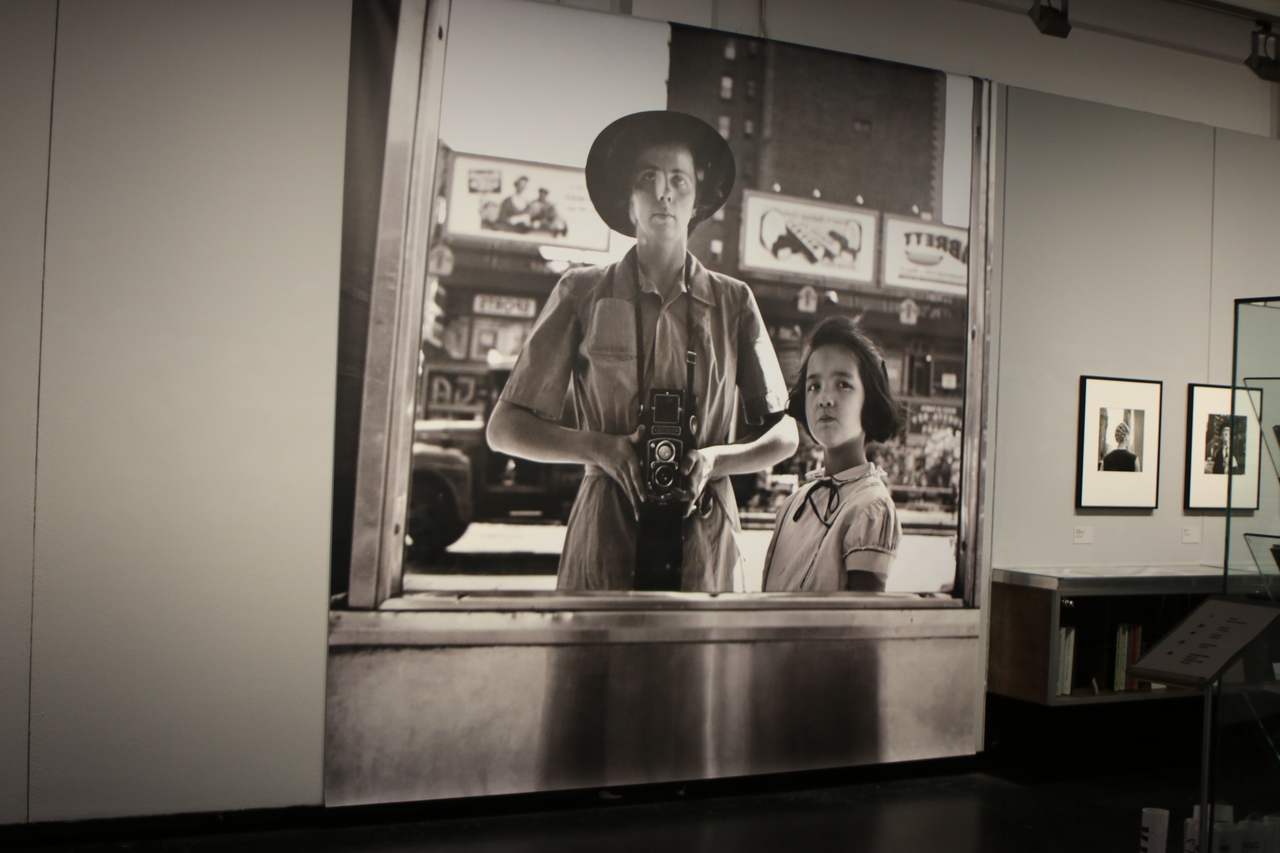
{"x": 1062, "y": 779}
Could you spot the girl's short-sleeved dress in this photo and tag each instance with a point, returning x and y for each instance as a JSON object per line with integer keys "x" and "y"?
{"x": 823, "y": 522}
{"x": 578, "y": 367}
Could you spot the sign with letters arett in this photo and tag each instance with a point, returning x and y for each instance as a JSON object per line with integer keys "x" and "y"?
{"x": 925, "y": 256}
{"x": 1195, "y": 653}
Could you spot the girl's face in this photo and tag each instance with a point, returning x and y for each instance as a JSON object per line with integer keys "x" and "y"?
{"x": 833, "y": 398}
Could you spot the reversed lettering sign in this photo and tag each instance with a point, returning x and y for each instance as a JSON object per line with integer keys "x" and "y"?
{"x": 455, "y": 392}
{"x": 505, "y": 306}
{"x": 926, "y": 256}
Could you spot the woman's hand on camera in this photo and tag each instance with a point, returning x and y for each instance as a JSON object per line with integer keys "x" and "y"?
{"x": 616, "y": 455}
{"x": 698, "y": 467}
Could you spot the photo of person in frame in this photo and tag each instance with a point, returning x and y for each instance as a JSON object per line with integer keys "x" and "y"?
{"x": 1224, "y": 446}
{"x": 610, "y": 335}
{"x": 841, "y": 530}
{"x": 1125, "y": 453}
{"x": 514, "y": 210}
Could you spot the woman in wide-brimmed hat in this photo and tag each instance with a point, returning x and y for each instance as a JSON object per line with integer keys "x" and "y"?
{"x": 654, "y": 176}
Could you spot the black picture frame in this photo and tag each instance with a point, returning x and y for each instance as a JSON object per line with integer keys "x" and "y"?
{"x": 1208, "y": 407}
{"x": 1118, "y": 468}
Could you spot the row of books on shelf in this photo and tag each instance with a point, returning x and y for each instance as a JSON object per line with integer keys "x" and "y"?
{"x": 1128, "y": 649}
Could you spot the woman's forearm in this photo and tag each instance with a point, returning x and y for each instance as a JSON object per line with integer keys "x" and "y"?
{"x": 519, "y": 432}
{"x": 756, "y": 454}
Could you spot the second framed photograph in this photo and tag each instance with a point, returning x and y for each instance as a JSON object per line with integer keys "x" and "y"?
{"x": 1223, "y": 447}
{"x": 1118, "y": 455}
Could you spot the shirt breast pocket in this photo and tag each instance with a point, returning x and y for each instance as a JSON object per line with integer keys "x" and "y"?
{"x": 610, "y": 339}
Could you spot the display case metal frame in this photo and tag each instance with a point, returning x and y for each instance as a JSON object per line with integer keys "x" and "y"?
{"x": 1242, "y": 708}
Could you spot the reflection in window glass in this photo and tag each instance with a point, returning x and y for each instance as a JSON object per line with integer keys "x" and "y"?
{"x": 519, "y": 218}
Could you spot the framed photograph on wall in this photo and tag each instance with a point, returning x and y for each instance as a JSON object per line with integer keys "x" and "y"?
{"x": 1223, "y": 447}
{"x": 1118, "y": 454}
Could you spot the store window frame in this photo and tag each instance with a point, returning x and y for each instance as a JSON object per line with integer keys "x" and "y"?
{"x": 401, "y": 273}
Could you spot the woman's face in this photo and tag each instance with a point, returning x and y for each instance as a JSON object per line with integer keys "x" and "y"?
{"x": 833, "y": 397}
{"x": 664, "y": 189}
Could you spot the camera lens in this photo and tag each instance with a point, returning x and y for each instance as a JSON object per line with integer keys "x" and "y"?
{"x": 665, "y": 451}
{"x": 664, "y": 475}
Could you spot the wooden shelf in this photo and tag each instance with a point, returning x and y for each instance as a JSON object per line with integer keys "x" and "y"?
{"x": 1029, "y": 605}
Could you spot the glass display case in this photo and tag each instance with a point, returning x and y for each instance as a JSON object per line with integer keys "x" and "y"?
{"x": 1242, "y": 735}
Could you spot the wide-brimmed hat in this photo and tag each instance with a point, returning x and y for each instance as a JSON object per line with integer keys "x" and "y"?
{"x": 613, "y": 157}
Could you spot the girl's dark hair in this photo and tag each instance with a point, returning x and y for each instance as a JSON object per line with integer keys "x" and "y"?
{"x": 882, "y": 416}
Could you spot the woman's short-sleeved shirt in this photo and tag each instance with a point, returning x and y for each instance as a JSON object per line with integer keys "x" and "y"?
{"x": 582, "y": 351}
{"x": 825, "y": 521}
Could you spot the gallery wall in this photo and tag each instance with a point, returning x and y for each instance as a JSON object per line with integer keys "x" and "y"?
{"x": 1108, "y": 222}
{"x": 26, "y": 82}
{"x": 186, "y": 349}
{"x": 1127, "y": 238}
{"x": 185, "y": 406}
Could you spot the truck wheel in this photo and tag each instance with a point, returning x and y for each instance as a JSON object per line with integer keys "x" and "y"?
{"x": 433, "y": 523}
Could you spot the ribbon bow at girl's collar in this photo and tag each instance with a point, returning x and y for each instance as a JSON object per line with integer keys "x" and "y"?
{"x": 832, "y": 484}
{"x": 827, "y": 517}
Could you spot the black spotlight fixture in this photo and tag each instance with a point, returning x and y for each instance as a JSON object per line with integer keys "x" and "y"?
{"x": 1051, "y": 21}
{"x": 1262, "y": 58}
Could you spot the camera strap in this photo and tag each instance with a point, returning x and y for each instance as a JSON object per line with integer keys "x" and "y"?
{"x": 660, "y": 534}
{"x": 690, "y": 357}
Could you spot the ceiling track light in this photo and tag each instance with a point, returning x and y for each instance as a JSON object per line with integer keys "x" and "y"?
{"x": 1049, "y": 20}
{"x": 1262, "y": 59}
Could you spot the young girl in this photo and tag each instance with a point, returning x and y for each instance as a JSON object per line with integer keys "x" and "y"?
{"x": 841, "y": 530}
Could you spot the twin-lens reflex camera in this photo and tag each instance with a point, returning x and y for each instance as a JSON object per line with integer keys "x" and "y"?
{"x": 671, "y": 429}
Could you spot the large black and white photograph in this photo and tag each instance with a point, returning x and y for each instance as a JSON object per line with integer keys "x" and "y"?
{"x": 753, "y": 245}
{"x": 1224, "y": 447}
{"x": 1118, "y": 457}
{"x": 662, "y": 359}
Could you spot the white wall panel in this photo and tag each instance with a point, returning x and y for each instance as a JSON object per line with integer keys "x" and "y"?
{"x": 26, "y": 93}
{"x": 1246, "y": 222}
{"x": 1107, "y": 223}
{"x": 186, "y": 430}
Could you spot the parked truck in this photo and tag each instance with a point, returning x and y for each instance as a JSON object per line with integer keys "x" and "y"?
{"x": 457, "y": 479}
